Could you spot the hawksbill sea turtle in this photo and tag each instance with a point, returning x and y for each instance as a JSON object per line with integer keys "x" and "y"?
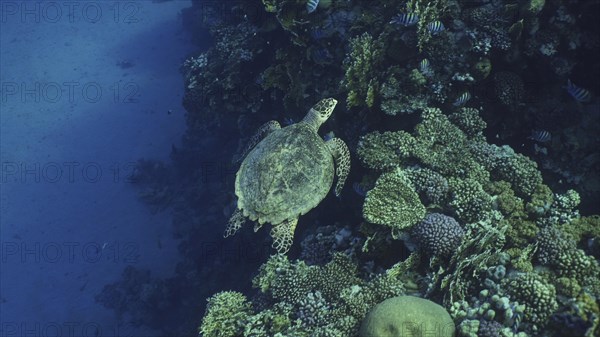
{"x": 286, "y": 172}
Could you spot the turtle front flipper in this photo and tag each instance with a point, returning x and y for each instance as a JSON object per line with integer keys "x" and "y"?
{"x": 341, "y": 155}
{"x": 235, "y": 223}
{"x": 262, "y": 132}
{"x": 283, "y": 235}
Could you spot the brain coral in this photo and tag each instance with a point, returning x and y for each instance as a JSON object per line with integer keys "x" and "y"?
{"x": 438, "y": 234}
{"x": 407, "y": 316}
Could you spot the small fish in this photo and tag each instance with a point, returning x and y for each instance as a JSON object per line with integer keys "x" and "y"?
{"x": 462, "y": 99}
{"x": 579, "y": 94}
{"x": 317, "y": 33}
{"x": 405, "y": 19}
{"x": 425, "y": 67}
{"x": 320, "y": 56}
{"x": 540, "y": 136}
{"x": 435, "y": 27}
{"x": 360, "y": 189}
{"x": 311, "y": 5}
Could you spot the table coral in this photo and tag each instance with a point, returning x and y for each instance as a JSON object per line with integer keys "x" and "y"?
{"x": 393, "y": 202}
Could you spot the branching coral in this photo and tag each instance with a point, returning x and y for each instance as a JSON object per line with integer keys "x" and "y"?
{"x": 226, "y": 315}
{"x": 361, "y": 66}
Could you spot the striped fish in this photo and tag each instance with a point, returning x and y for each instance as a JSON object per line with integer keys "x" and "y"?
{"x": 435, "y": 27}
{"x": 579, "y": 94}
{"x": 405, "y": 19}
{"x": 311, "y": 5}
{"x": 540, "y": 136}
{"x": 462, "y": 99}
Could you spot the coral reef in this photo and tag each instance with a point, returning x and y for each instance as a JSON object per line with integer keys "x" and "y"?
{"x": 457, "y": 201}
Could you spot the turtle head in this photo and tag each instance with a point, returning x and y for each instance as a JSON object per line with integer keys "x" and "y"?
{"x": 320, "y": 112}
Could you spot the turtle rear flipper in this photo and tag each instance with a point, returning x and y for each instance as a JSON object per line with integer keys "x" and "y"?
{"x": 235, "y": 223}
{"x": 341, "y": 155}
{"x": 283, "y": 235}
{"x": 260, "y": 134}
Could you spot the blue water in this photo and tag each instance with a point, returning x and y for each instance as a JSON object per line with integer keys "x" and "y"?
{"x": 88, "y": 88}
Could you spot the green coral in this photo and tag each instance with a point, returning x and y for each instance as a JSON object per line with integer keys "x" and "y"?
{"x": 521, "y": 258}
{"x": 469, "y": 201}
{"x": 226, "y": 315}
{"x": 335, "y": 275}
{"x": 505, "y": 200}
{"x": 399, "y": 96}
{"x": 538, "y": 296}
{"x": 285, "y": 281}
{"x": 357, "y": 300}
{"x": 505, "y": 164}
{"x": 541, "y": 200}
{"x": 270, "y": 322}
{"x": 521, "y": 232}
{"x": 436, "y": 129}
{"x": 432, "y": 186}
{"x": 577, "y": 264}
{"x": 416, "y": 78}
{"x": 393, "y": 202}
{"x": 427, "y": 11}
{"x": 584, "y": 227}
{"x": 469, "y": 121}
{"x": 384, "y": 151}
{"x": 361, "y": 66}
